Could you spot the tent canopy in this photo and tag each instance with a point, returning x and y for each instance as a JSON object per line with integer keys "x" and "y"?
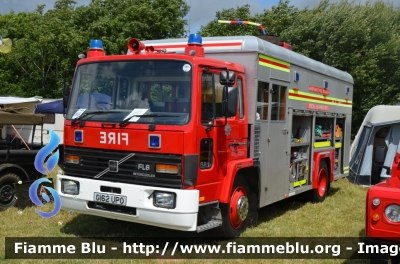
{"x": 20, "y": 116}
{"x": 7, "y": 100}
{"x": 55, "y": 107}
{"x": 375, "y": 145}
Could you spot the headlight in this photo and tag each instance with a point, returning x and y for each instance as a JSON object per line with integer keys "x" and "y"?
{"x": 70, "y": 187}
{"x": 392, "y": 213}
{"x": 164, "y": 199}
{"x": 376, "y": 201}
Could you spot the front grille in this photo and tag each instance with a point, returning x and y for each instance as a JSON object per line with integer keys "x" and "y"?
{"x": 139, "y": 169}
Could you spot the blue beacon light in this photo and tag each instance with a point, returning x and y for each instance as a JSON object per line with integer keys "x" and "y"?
{"x": 195, "y": 39}
{"x": 194, "y": 46}
{"x": 96, "y": 48}
{"x": 154, "y": 141}
{"x": 78, "y": 136}
{"x": 96, "y": 44}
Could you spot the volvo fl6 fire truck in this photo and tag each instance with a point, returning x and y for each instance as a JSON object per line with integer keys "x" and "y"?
{"x": 193, "y": 134}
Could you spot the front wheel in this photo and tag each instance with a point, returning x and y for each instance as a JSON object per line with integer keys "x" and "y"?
{"x": 7, "y": 190}
{"x": 239, "y": 212}
{"x": 318, "y": 195}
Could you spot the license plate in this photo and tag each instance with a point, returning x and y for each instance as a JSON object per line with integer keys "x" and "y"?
{"x": 110, "y": 198}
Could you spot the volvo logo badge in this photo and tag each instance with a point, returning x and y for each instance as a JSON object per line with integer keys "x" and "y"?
{"x": 113, "y": 165}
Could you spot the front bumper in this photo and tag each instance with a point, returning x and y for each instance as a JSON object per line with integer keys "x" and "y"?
{"x": 182, "y": 217}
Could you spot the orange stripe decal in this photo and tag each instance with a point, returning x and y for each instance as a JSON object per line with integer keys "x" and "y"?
{"x": 274, "y": 63}
{"x": 317, "y": 98}
{"x": 322, "y": 99}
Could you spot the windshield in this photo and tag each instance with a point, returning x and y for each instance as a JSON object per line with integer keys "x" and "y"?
{"x": 157, "y": 90}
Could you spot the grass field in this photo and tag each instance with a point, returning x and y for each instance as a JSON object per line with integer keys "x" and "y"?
{"x": 342, "y": 214}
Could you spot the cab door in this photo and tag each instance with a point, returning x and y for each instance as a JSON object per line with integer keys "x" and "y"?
{"x": 219, "y": 142}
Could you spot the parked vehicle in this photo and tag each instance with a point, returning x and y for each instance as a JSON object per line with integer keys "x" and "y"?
{"x": 38, "y": 136}
{"x": 16, "y": 164}
{"x": 374, "y": 147}
{"x": 199, "y": 134}
{"x": 382, "y": 219}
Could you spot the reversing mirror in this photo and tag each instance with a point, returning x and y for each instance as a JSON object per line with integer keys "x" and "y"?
{"x": 230, "y": 100}
{"x": 65, "y": 95}
{"x": 223, "y": 78}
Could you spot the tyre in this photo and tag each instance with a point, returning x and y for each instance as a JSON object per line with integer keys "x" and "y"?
{"x": 318, "y": 195}
{"x": 240, "y": 212}
{"x": 7, "y": 190}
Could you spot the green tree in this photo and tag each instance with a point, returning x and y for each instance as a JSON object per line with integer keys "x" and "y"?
{"x": 41, "y": 50}
{"x": 46, "y": 44}
{"x": 279, "y": 18}
{"x": 116, "y": 21}
{"x": 274, "y": 21}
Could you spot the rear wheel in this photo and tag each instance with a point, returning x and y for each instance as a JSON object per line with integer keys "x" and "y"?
{"x": 318, "y": 195}
{"x": 241, "y": 210}
{"x": 7, "y": 190}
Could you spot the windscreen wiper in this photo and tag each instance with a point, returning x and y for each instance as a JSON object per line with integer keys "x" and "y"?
{"x": 126, "y": 121}
{"x": 79, "y": 118}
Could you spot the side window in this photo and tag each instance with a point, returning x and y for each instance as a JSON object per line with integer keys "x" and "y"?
{"x": 210, "y": 82}
{"x": 240, "y": 90}
{"x": 278, "y": 102}
{"x": 206, "y": 153}
{"x": 262, "y": 101}
{"x": 207, "y": 81}
{"x": 219, "y": 88}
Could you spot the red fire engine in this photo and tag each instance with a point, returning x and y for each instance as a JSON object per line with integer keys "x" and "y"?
{"x": 200, "y": 133}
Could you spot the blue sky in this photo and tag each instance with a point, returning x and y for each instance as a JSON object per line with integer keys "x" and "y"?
{"x": 202, "y": 11}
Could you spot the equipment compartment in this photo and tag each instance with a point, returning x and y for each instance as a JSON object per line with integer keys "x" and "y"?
{"x": 300, "y": 148}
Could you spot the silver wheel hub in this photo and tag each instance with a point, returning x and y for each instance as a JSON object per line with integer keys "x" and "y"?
{"x": 242, "y": 208}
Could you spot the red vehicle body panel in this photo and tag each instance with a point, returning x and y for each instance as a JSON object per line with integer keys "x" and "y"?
{"x": 389, "y": 193}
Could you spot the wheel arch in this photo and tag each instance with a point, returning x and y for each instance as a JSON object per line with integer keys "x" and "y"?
{"x": 328, "y": 157}
{"x": 242, "y": 168}
{"x": 252, "y": 176}
{"x": 13, "y": 168}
